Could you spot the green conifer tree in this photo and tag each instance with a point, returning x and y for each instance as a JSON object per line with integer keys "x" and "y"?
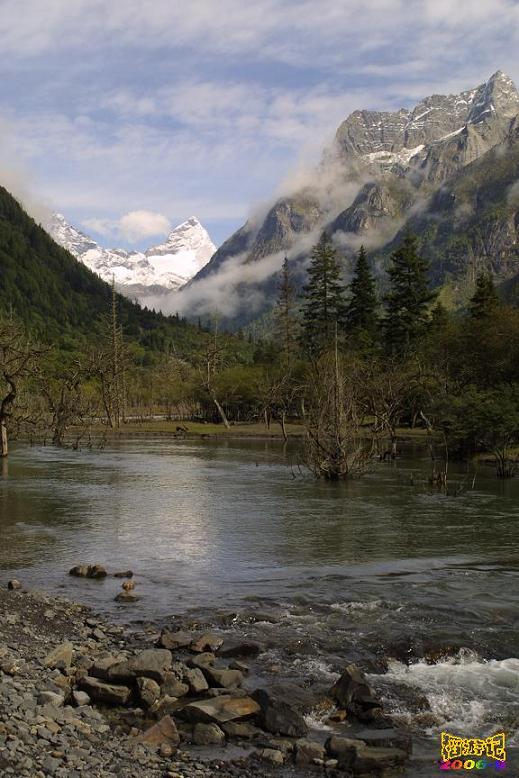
{"x": 361, "y": 311}
{"x": 285, "y": 315}
{"x": 485, "y": 299}
{"x": 408, "y": 299}
{"x": 323, "y": 302}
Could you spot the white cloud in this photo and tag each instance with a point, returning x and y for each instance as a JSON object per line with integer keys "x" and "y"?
{"x": 143, "y": 224}
{"x": 132, "y": 226}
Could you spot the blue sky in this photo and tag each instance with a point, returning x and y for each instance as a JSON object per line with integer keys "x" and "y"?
{"x": 211, "y": 107}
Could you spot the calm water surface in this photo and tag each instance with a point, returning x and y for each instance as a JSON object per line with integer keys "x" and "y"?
{"x": 372, "y": 569}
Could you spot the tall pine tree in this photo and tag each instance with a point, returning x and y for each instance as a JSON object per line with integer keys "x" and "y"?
{"x": 485, "y": 299}
{"x": 408, "y": 299}
{"x": 323, "y": 303}
{"x": 285, "y": 313}
{"x": 361, "y": 312}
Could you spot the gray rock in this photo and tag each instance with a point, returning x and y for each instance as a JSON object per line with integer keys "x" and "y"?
{"x": 353, "y": 693}
{"x": 208, "y": 735}
{"x": 163, "y": 732}
{"x": 375, "y": 760}
{"x": 60, "y": 657}
{"x": 51, "y": 698}
{"x": 173, "y": 687}
{"x": 80, "y": 698}
{"x": 14, "y": 584}
{"x": 88, "y": 571}
{"x": 208, "y": 642}
{"x": 344, "y": 749}
{"x": 152, "y": 663}
{"x": 104, "y": 692}
{"x": 222, "y": 709}
{"x": 245, "y": 649}
{"x": 148, "y": 691}
{"x": 307, "y": 751}
{"x": 175, "y": 640}
{"x": 126, "y": 597}
{"x": 240, "y": 729}
{"x": 101, "y": 667}
{"x": 278, "y": 717}
{"x": 271, "y": 755}
{"x": 164, "y": 706}
{"x": 224, "y": 678}
{"x": 386, "y": 738}
{"x": 196, "y": 680}
{"x": 202, "y": 660}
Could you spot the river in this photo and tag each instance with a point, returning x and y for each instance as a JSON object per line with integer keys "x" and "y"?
{"x": 419, "y": 587}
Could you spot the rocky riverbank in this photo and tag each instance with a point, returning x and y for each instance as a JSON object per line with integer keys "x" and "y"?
{"x": 79, "y": 697}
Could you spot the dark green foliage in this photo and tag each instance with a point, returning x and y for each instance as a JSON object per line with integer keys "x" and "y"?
{"x": 408, "y": 299}
{"x": 323, "y": 302}
{"x": 361, "y": 312}
{"x": 485, "y": 299}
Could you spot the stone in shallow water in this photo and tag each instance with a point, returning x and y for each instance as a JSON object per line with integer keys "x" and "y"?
{"x": 14, "y": 584}
{"x": 208, "y": 642}
{"x": 244, "y": 649}
{"x": 88, "y": 571}
{"x": 353, "y": 693}
{"x": 126, "y": 597}
{"x": 278, "y": 717}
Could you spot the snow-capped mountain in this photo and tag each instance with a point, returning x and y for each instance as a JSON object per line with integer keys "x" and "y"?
{"x": 141, "y": 274}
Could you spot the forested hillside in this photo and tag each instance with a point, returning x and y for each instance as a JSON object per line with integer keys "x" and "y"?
{"x": 59, "y": 299}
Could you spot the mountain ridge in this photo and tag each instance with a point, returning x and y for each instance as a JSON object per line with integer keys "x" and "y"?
{"x": 381, "y": 169}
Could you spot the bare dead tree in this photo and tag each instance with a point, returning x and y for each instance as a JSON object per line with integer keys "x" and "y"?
{"x": 336, "y": 448}
{"x": 109, "y": 364}
{"x": 18, "y": 362}
{"x": 65, "y": 400}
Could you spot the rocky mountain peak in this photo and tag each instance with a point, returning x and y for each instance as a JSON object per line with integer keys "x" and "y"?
{"x": 396, "y": 137}
{"x": 497, "y": 96}
{"x": 191, "y": 236}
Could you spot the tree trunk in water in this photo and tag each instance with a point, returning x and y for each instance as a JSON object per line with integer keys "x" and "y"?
{"x": 283, "y": 426}
{"x": 222, "y": 414}
{"x": 4, "y": 447}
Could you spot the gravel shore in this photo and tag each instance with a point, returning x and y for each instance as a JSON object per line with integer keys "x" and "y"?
{"x": 81, "y": 697}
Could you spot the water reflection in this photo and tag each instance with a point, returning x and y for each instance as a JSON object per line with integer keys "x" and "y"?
{"x": 221, "y": 520}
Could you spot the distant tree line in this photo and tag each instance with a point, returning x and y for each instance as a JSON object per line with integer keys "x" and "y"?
{"x": 351, "y": 364}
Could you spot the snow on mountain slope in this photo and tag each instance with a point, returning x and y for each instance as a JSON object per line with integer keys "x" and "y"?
{"x": 159, "y": 269}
